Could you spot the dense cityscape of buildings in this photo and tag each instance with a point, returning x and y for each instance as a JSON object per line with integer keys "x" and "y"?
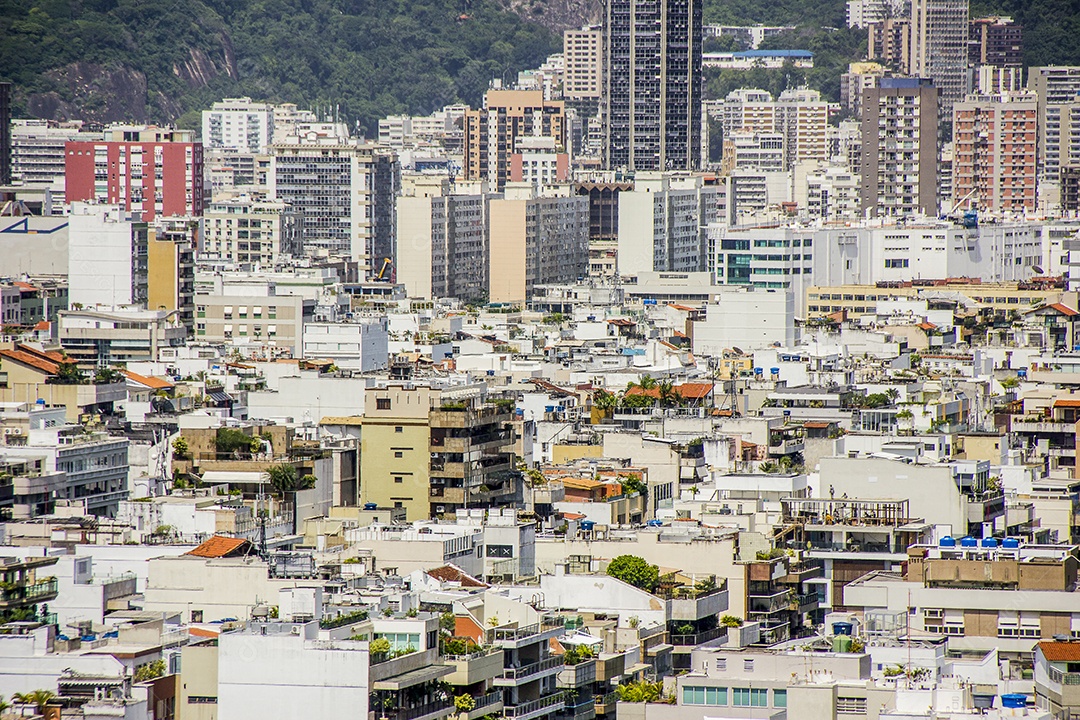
{"x": 602, "y": 399}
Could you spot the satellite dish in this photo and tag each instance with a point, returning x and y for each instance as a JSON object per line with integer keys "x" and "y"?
{"x": 1038, "y": 270}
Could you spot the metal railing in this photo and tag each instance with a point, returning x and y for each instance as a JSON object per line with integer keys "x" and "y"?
{"x": 1063, "y": 678}
{"x": 533, "y": 669}
{"x": 488, "y": 700}
{"x": 698, "y": 638}
{"x": 517, "y": 711}
{"x": 21, "y": 593}
{"x": 418, "y": 711}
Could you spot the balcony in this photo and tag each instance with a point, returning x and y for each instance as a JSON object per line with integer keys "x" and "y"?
{"x": 534, "y": 709}
{"x": 606, "y": 703}
{"x": 517, "y": 676}
{"x": 1061, "y": 677}
{"x": 694, "y": 606}
{"x": 575, "y": 676}
{"x": 512, "y": 636}
{"x": 474, "y": 668}
{"x": 1019, "y": 426}
{"x": 700, "y": 638}
{"x": 41, "y": 591}
{"x": 429, "y": 711}
{"x": 580, "y": 708}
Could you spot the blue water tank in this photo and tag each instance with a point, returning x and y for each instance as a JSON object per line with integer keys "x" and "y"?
{"x": 989, "y": 542}
{"x": 41, "y": 401}
{"x": 969, "y": 542}
{"x": 842, "y": 628}
{"x": 759, "y": 371}
{"x": 948, "y": 541}
{"x": 654, "y": 523}
{"x": 1014, "y": 700}
{"x": 1022, "y": 372}
{"x": 774, "y": 371}
{"x": 1010, "y": 544}
{"x": 491, "y": 373}
{"x": 371, "y": 506}
{"x": 587, "y": 525}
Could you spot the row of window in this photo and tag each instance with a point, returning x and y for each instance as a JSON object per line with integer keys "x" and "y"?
{"x": 739, "y": 697}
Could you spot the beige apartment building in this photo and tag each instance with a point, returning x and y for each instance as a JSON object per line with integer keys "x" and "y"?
{"x": 583, "y": 63}
{"x": 1000, "y": 298}
{"x": 271, "y": 323}
{"x": 433, "y": 451}
{"x": 492, "y": 133}
{"x": 248, "y": 230}
{"x": 535, "y": 241}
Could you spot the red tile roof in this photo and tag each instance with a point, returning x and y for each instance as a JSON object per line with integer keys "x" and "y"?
{"x": 452, "y": 573}
{"x": 1060, "y": 651}
{"x": 1067, "y": 402}
{"x": 31, "y": 359}
{"x": 220, "y": 546}
{"x": 151, "y": 382}
{"x": 43, "y": 325}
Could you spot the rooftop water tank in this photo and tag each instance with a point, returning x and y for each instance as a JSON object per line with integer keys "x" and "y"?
{"x": 1010, "y": 544}
{"x": 969, "y": 542}
{"x": 989, "y": 542}
{"x": 371, "y": 506}
{"x": 842, "y": 628}
{"x": 948, "y": 541}
{"x": 587, "y": 525}
{"x": 1013, "y": 700}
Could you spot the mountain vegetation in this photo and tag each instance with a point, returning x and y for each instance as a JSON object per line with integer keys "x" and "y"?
{"x": 155, "y": 60}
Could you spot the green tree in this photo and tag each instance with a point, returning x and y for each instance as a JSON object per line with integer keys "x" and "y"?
{"x": 635, "y": 571}
{"x": 284, "y": 479}
{"x": 38, "y": 698}
{"x": 68, "y": 373}
{"x": 180, "y": 447}
{"x": 640, "y": 691}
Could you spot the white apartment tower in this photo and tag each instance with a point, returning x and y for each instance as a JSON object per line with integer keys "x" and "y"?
{"x": 238, "y": 124}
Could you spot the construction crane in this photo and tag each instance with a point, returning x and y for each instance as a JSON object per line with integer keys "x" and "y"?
{"x": 387, "y": 264}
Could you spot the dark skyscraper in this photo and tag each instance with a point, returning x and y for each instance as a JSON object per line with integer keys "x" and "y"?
{"x": 652, "y": 84}
{"x": 5, "y": 133}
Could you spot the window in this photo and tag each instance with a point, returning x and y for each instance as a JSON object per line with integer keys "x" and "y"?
{"x": 399, "y": 454}
{"x": 779, "y": 698}
{"x": 382, "y": 404}
{"x": 399, "y": 479}
{"x": 850, "y": 706}
{"x": 201, "y": 700}
{"x": 196, "y": 616}
{"x": 398, "y": 429}
{"x": 500, "y": 551}
{"x": 715, "y": 696}
{"x": 748, "y": 665}
{"x": 721, "y": 664}
{"x": 749, "y": 697}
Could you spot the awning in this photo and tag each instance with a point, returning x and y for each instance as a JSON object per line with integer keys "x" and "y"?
{"x": 412, "y": 678}
{"x": 219, "y": 396}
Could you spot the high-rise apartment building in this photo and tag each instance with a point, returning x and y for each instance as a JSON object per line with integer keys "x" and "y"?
{"x": 890, "y": 42}
{"x": 863, "y": 13}
{"x": 939, "y": 49}
{"x": 583, "y": 71}
{"x": 492, "y": 133}
{"x": 535, "y": 240}
{"x": 107, "y": 256}
{"x": 170, "y": 267}
{"x": 799, "y": 116}
{"x": 899, "y": 148}
{"x": 1057, "y": 92}
{"x": 994, "y": 153}
{"x": 996, "y": 41}
{"x": 344, "y": 191}
{"x": 662, "y": 223}
{"x": 37, "y": 149}
{"x": 442, "y": 241}
{"x": 5, "y": 133}
{"x": 652, "y": 84}
{"x": 251, "y": 230}
{"x": 238, "y": 124}
{"x": 146, "y": 169}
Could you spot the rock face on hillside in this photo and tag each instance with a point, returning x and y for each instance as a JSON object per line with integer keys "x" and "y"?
{"x": 557, "y": 15}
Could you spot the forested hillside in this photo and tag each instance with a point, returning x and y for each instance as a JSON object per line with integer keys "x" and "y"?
{"x": 158, "y": 59}
{"x": 163, "y": 60}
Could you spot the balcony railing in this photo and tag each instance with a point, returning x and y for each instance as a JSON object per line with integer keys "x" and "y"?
{"x": 518, "y": 711}
{"x": 1063, "y": 678}
{"x": 533, "y": 669}
{"x": 30, "y": 593}
{"x": 441, "y": 706}
{"x": 488, "y": 700}
{"x": 698, "y": 638}
{"x": 526, "y": 631}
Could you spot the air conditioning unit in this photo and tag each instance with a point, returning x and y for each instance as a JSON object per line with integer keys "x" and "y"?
{"x": 295, "y": 629}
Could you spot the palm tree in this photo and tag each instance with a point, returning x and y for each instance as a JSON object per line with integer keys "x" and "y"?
{"x": 38, "y": 698}
{"x": 667, "y": 393}
{"x": 645, "y": 382}
{"x": 4, "y": 705}
{"x": 893, "y": 394}
{"x": 284, "y": 479}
